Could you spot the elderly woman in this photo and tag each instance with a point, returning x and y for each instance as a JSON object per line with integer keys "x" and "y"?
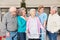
{"x": 33, "y": 26}
{"x": 53, "y": 24}
{"x": 22, "y": 24}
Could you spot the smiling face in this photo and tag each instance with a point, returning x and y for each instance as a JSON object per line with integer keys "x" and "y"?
{"x": 52, "y": 11}
{"x": 23, "y": 12}
{"x": 41, "y": 10}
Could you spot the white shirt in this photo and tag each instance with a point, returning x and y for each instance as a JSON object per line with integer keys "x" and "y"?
{"x": 33, "y": 29}
{"x": 53, "y": 24}
{"x": 23, "y": 17}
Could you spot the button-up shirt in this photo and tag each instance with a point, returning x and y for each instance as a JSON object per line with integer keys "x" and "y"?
{"x": 53, "y": 24}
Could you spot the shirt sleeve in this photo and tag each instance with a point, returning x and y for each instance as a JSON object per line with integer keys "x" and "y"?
{"x": 4, "y": 22}
{"x": 58, "y": 22}
{"x": 27, "y": 24}
{"x": 39, "y": 24}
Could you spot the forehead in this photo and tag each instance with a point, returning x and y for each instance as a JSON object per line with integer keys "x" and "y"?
{"x": 52, "y": 9}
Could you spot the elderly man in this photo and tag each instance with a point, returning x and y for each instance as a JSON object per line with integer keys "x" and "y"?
{"x": 53, "y": 23}
{"x": 10, "y": 23}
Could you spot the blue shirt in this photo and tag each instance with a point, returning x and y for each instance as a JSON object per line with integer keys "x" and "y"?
{"x": 21, "y": 24}
{"x": 42, "y": 17}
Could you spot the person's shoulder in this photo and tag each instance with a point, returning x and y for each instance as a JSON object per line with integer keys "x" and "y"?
{"x": 49, "y": 14}
{"x": 45, "y": 14}
{"x": 37, "y": 17}
{"x": 57, "y": 16}
{"x": 6, "y": 15}
{"x": 19, "y": 17}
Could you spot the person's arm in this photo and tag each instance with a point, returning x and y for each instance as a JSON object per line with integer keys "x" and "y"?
{"x": 39, "y": 24}
{"x": 45, "y": 23}
{"x": 45, "y": 20}
{"x": 4, "y": 22}
{"x": 58, "y": 22}
{"x": 27, "y": 26}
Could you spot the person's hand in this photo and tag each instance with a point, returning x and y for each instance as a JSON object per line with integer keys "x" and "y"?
{"x": 28, "y": 33}
{"x": 8, "y": 34}
{"x": 44, "y": 30}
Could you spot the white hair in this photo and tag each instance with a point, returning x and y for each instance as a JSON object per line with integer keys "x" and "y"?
{"x": 55, "y": 8}
{"x": 11, "y": 9}
{"x": 31, "y": 10}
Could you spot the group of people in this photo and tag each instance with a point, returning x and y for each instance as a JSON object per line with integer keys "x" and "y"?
{"x": 17, "y": 25}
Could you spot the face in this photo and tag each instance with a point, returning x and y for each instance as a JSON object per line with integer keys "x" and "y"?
{"x": 52, "y": 11}
{"x": 14, "y": 13}
{"x": 41, "y": 10}
{"x": 13, "y": 10}
{"x": 23, "y": 12}
{"x": 33, "y": 13}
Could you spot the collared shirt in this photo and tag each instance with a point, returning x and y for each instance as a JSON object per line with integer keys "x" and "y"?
{"x": 53, "y": 24}
{"x": 42, "y": 17}
{"x": 9, "y": 22}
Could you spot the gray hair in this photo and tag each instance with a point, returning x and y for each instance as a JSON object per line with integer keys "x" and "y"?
{"x": 22, "y": 9}
{"x": 55, "y": 8}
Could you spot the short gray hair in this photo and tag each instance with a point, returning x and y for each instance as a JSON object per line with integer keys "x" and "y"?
{"x": 55, "y": 8}
{"x": 22, "y": 9}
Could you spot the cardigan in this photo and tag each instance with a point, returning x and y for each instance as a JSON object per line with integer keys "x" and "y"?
{"x": 21, "y": 24}
{"x": 33, "y": 26}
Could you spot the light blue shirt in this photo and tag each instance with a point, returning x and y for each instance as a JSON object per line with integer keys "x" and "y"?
{"x": 42, "y": 17}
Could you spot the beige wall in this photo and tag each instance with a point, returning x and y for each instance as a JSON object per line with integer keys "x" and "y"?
{"x": 29, "y": 3}
{"x": 46, "y": 3}
{"x": 59, "y": 3}
{"x": 9, "y": 3}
